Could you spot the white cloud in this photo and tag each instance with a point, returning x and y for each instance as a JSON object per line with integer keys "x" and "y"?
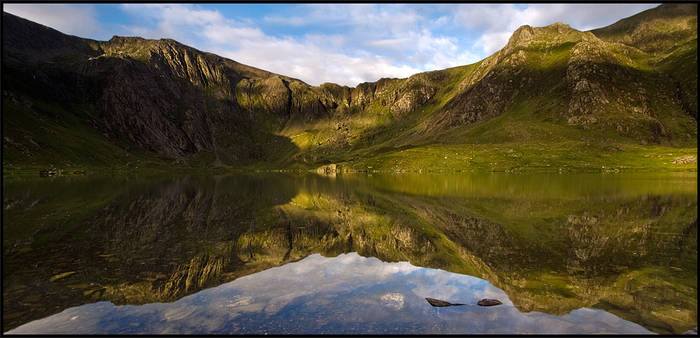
{"x": 347, "y": 291}
{"x": 346, "y": 59}
{"x": 284, "y": 20}
{"x": 424, "y": 49}
{"x": 497, "y": 22}
{"x": 492, "y": 41}
{"x": 227, "y": 34}
{"x": 399, "y": 33}
{"x": 74, "y": 19}
{"x": 376, "y": 41}
{"x": 393, "y": 18}
{"x": 313, "y": 64}
{"x": 342, "y": 43}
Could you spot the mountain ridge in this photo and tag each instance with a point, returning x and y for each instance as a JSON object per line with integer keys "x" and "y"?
{"x": 173, "y": 101}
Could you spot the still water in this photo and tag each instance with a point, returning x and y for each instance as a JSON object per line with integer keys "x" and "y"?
{"x": 588, "y": 253}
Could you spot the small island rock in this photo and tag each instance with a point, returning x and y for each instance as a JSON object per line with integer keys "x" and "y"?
{"x": 489, "y": 302}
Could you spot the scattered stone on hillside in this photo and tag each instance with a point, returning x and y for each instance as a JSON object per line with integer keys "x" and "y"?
{"x": 329, "y": 169}
{"x": 584, "y": 121}
{"x": 685, "y": 159}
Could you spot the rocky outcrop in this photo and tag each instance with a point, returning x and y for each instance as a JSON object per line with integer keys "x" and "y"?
{"x": 29, "y": 43}
{"x": 669, "y": 33}
{"x": 655, "y": 30}
{"x": 174, "y": 101}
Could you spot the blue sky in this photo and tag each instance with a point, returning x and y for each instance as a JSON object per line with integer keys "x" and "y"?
{"x": 316, "y": 43}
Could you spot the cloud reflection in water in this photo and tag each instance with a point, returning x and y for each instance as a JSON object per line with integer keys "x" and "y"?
{"x": 344, "y": 294}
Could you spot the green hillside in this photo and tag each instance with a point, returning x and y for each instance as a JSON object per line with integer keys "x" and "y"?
{"x": 623, "y": 97}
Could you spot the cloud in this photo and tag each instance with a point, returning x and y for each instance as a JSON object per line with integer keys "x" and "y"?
{"x": 284, "y": 20}
{"x": 74, "y": 19}
{"x": 390, "y": 18}
{"x": 353, "y": 43}
{"x": 496, "y": 23}
{"x": 355, "y": 56}
{"x": 342, "y": 43}
{"x": 318, "y": 294}
{"x": 306, "y": 60}
{"x": 493, "y": 41}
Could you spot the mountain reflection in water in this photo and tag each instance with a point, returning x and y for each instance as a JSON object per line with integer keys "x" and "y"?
{"x": 565, "y": 253}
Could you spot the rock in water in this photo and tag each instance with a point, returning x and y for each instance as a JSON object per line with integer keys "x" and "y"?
{"x": 489, "y": 302}
{"x": 441, "y": 303}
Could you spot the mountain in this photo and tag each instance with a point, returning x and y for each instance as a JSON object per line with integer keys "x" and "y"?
{"x": 623, "y": 96}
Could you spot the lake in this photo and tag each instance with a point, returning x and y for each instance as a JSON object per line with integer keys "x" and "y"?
{"x": 354, "y": 253}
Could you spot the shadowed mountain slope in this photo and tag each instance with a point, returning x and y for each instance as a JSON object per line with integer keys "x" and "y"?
{"x": 630, "y": 87}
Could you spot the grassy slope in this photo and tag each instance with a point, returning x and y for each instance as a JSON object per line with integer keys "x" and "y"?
{"x": 530, "y": 135}
{"x": 372, "y": 130}
{"x": 523, "y": 140}
{"x": 47, "y": 134}
{"x": 43, "y": 135}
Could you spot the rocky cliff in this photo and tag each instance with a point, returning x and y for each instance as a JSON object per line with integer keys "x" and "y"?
{"x": 632, "y": 80}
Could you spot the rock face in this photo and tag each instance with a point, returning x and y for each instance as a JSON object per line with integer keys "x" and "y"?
{"x": 174, "y": 101}
{"x": 668, "y": 32}
{"x": 642, "y": 31}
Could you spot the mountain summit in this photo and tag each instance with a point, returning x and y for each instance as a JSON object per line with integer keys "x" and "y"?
{"x": 553, "y": 97}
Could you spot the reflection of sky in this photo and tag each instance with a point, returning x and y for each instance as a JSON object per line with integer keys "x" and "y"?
{"x": 344, "y": 294}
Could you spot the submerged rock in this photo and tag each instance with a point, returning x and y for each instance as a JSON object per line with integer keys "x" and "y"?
{"x": 61, "y": 276}
{"x": 441, "y": 303}
{"x": 489, "y": 302}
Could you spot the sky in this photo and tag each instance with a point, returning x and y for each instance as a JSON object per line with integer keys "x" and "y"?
{"x": 316, "y": 43}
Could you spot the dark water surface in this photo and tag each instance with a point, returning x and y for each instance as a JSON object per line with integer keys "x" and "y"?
{"x": 588, "y": 253}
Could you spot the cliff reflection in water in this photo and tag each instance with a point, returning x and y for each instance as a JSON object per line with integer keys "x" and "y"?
{"x": 626, "y": 244}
